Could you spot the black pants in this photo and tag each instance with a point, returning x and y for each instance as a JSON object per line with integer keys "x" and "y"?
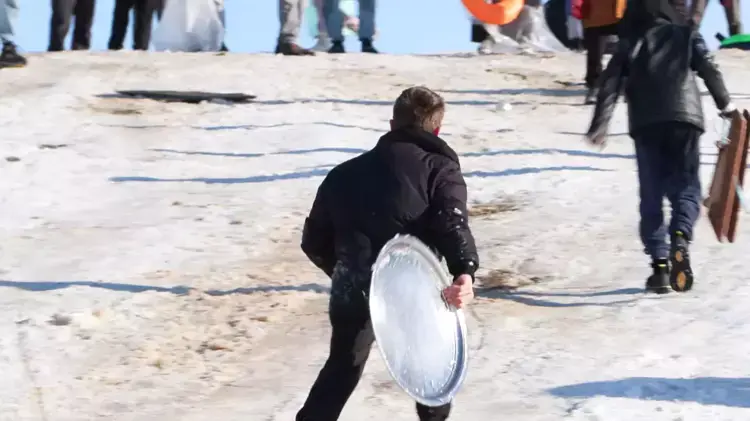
{"x": 144, "y": 15}
{"x": 595, "y": 42}
{"x": 351, "y": 342}
{"x": 668, "y": 165}
{"x": 62, "y": 12}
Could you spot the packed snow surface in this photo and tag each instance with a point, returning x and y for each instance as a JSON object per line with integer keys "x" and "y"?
{"x": 150, "y": 263}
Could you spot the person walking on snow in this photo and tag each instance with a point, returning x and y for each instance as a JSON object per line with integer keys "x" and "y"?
{"x": 143, "y": 12}
{"x": 62, "y": 12}
{"x": 9, "y": 56}
{"x": 409, "y": 183}
{"x": 291, "y": 14}
{"x": 655, "y": 64}
{"x": 335, "y": 25}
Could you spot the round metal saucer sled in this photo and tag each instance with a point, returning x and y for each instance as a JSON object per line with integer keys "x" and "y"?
{"x": 421, "y": 338}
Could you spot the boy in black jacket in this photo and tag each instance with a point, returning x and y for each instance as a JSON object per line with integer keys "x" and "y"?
{"x": 409, "y": 183}
{"x": 655, "y": 64}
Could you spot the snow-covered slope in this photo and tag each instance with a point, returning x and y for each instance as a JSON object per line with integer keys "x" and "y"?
{"x": 150, "y": 264}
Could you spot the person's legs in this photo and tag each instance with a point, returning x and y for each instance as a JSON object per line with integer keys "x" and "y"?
{"x": 84, "y": 13}
{"x": 367, "y": 25}
{"x": 439, "y": 413}
{"x": 120, "y": 20}
{"x": 158, "y": 6}
{"x": 8, "y": 20}
{"x": 734, "y": 18}
{"x": 683, "y": 189}
{"x": 324, "y": 41}
{"x": 144, "y": 16}
{"x": 651, "y": 157}
{"x": 594, "y": 42}
{"x": 651, "y": 179}
{"x": 697, "y": 10}
{"x": 291, "y": 13}
{"x": 9, "y": 57}
{"x": 351, "y": 341}
{"x": 62, "y": 11}
{"x": 334, "y": 25}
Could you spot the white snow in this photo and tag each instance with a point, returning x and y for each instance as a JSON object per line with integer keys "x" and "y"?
{"x": 150, "y": 268}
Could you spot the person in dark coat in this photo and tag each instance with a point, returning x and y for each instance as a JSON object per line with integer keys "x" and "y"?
{"x": 655, "y": 64}
{"x": 62, "y": 13}
{"x": 409, "y": 183}
{"x": 143, "y": 11}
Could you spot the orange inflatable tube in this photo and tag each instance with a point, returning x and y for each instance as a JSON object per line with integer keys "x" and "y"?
{"x": 500, "y": 13}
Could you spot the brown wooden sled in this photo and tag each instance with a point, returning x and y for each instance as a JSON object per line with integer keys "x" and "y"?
{"x": 723, "y": 200}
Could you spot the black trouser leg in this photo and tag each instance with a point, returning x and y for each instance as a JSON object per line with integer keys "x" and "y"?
{"x": 144, "y": 16}
{"x": 62, "y": 11}
{"x": 84, "y": 13}
{"x": 594, "y": 42}
{"x": 120, "y": 21}
{"x": 159, "y": 6}
{"x": 351, "y": 342}
{"x": 438, "y": 413}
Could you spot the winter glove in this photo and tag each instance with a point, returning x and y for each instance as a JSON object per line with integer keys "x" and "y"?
{"x": 728, "y": 111}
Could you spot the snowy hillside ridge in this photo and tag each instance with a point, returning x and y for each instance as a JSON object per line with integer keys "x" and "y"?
{"x": 149, "y": 252}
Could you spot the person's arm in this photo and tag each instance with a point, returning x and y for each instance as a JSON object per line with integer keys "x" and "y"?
{"x": 449, "y": 223}
{"x": 318, "y": 234}
{"x": 703, "y": 63}
{"x": 611, "y": 84}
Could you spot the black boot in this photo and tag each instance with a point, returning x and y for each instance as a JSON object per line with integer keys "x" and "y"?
{"x": 681, "y": 276}
{"x": 337, "y": 48}
{"x": 10, "y": 57}
{"x": 659, "y": 281}
{"x": 367, "y": 46}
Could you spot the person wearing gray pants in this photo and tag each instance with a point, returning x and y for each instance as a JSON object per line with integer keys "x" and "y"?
{"x": 8, "y": 19}
{"x": 731, "y": 8}
{"x": 291, "y": 13}
{"x": 335, "y": 25}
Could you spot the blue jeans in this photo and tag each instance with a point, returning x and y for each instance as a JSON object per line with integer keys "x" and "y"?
{"x": 8, "y": 19}
{"x": 668, "y": 165}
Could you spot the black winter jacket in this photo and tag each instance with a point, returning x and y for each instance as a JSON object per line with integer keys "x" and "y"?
{"x": 409, "y": 183}
{"x": 656, "y": 73}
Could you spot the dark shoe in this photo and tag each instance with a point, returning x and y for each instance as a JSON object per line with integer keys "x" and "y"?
{"x": 367, "y": 46}
{"x": 224, "y": 48}
{"x": 681, "y": 276}
{"x": 292, "y": 49}
{"x": 591, "y": 96}
{"x": 337, "y": 48}
{"x": 10, "y": 57}
{"x": 659, "y": 281}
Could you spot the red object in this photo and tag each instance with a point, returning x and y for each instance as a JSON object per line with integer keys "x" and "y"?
{"x": 579, "y": 8}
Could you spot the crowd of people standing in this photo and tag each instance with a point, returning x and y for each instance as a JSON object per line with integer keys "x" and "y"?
{"x": 80, "y": 13}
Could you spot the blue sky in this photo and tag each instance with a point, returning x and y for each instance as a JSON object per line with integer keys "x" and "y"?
{"x": 252, "y": 26}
